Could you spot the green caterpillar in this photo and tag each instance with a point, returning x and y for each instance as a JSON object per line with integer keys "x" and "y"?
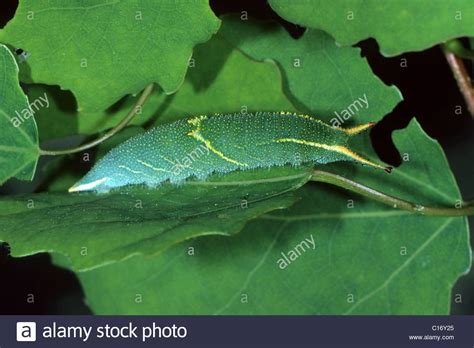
{"x": 204, "y": 145}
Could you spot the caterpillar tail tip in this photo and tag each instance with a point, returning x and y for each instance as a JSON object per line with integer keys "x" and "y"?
{"x": 388, "y": 169}
{"x": 359, "y": 129}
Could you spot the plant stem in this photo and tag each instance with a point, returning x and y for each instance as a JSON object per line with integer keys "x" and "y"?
{"x": 462, "y": 77}
{"x": 141, "y": 100}
{"x": 394, "y": 202}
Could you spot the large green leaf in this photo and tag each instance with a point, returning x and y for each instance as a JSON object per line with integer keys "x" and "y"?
{"x": 18, "y": 135}
{"x": 368, "y": 258}
{"x": 398, "y": 25}
{"x": 105, "y": 50}
{"x": 320, "y": 77}
{"x": 96, "y": 229}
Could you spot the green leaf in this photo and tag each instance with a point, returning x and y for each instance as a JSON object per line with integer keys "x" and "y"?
{"x": 102, "y": 51}
{"x": 19, "y": 150}
{"x": 93, "y": 230}
{"x": 66, "y": 223}
{"x": 398, "y": 26}
{"x": 368, "y": 258}
{"x": 319, "y": 77}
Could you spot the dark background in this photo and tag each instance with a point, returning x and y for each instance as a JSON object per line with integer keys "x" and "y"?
{"x": 430, "y": 94}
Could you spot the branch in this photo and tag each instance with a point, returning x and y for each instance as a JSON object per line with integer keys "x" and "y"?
{"x": 462, "y": 77}
{"x": 394, "y": 202}
{"x": 131, "y": 114}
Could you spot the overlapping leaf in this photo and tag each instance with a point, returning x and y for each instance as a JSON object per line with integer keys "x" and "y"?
{"x": 18, "y": 134}
{"x": 330, "y": 82}
{"x": 398, "y": 26}
{"x": 93, "y": 230}
{"x": 103, "y": 50}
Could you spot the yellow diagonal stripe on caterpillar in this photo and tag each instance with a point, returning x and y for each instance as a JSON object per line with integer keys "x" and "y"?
{"x": 336, "y": 148}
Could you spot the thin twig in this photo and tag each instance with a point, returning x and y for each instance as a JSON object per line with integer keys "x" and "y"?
{"x": 462, "y": 78}
{"x": 394, "y": 202}
{"x": 143, "y": 97}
